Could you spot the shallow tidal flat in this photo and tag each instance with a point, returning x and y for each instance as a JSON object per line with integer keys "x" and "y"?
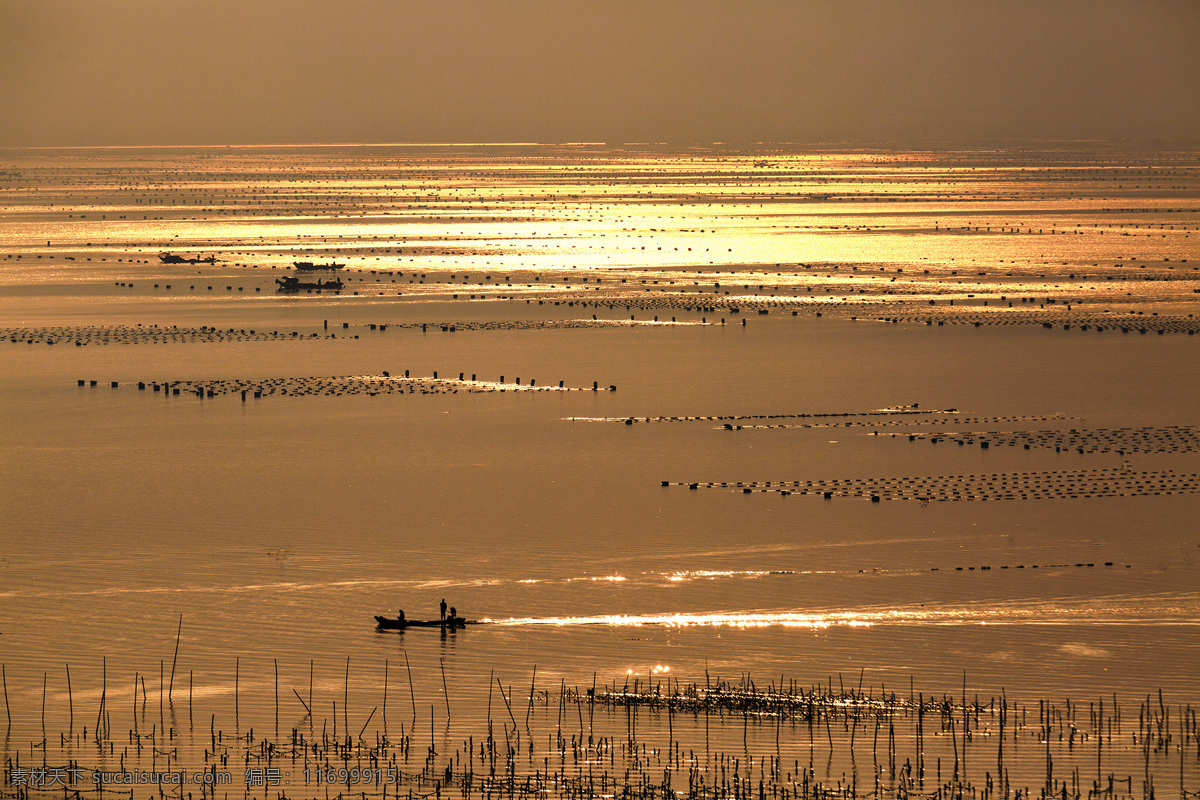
{"x": 874, "y": 472}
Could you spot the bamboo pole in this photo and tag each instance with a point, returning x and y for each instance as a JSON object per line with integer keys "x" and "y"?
{"x": 70, "y": 699}
{"x": 445, "y": 690}
{"x": 966, "y": 726}
{"x": 368, "y": 722}
{"x": 175, "y": 657}
{"x": 579, "y": 713}
{"x": 411, "y": 694}
{"x": 562, "y": 686}
{"x": 103, "y": 694}
{"x": 301, "y": 699}
{"x": 506, "y": 703}
{"x": 532, "y": 684}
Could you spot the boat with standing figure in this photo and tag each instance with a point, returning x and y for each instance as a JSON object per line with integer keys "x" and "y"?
{"x": 396, "y": 624}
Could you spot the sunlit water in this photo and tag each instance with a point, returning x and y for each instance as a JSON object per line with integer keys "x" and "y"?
{"x": 277, "y": 527}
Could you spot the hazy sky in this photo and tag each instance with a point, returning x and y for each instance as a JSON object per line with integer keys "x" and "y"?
{"x": 78, "y": 72}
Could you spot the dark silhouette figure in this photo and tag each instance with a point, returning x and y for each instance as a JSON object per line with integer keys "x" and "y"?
{"x": 402, "y": 615}
{"x": 453, "y": 613}
{"x": 443, "y": 609}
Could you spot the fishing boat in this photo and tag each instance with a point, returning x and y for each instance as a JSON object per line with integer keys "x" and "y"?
{"x": 393, "y": 624}
{"x": 290, "y": 284}
{"x": 309, "y": 266}
{"x": 173, "y": 258}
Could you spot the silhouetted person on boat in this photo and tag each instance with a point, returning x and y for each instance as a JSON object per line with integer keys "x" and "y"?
{"x": 443, "y": 609}
{"x": 401, "y": 617}
{"x": 453, "y": 614}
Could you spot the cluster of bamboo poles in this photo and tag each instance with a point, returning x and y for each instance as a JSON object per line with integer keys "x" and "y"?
{"x": 918, "y": 744}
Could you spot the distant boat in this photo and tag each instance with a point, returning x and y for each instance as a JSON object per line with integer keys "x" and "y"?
{"x": 172, "y": 258}
{"x": 309, "y": 266}
{"x": 290, "y": 284}
{"x": 392, "y": 624}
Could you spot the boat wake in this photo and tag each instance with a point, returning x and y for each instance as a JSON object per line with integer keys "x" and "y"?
{"x": 1159, "y": 609}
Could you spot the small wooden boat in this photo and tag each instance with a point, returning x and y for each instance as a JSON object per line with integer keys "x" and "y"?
{"x": 291, "y": 284}
{"x": 309, "y": 266}
{"x": 172, "y": 258}
{"x": 450, "y": 623}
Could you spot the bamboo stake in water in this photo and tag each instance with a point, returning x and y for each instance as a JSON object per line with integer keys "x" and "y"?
{"x": 70, "y": 698}
{"x": 966, "y": 725}
{"x": 237, "y": 663}
{"x": 506, "y": 703}
{"x": 346, "y": 699}
{"x": 385, "y": 688}
{"x": 1003, "y": 721}
{"x": 301, "y": 699}
{"x": 528, "y": 708}
{"x": 368, "y": 722}
{"x": 446, "y": 691}
{"x": 671, "y": 724}
{"x": 276, "y": 660}
{"x": 562, "y": 686}
{"x": 175, "y": 657}
{"x": 411, "y": 694}
{"x": 103, "y": 694}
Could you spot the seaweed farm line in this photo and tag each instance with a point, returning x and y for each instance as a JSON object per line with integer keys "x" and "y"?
{"x": 654, "y": 737}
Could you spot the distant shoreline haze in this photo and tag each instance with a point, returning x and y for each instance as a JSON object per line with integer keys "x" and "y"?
{"x": 216, "y": 72}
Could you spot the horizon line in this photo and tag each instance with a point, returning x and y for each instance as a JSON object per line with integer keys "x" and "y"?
{"x": 884, "y": 143}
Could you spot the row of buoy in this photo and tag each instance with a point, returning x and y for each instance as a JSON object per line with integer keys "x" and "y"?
{"x": 661, "y": 299}
{"x": 1170, "y": 439}
{"x": 994, "y": 486}
{"x": 906, "y": 423}
{"x": 384, "y": 384}
{"x": 1125, "y": 322}
{"x": 985, "y": 568}
{"x": 892, "y": 312}
{"x": 906, "y": 411}
{"x": 82, "y": 336}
